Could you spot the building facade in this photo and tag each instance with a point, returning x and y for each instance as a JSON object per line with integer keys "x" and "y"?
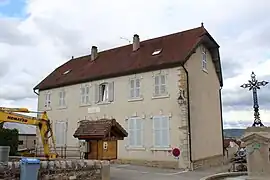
{"x": 165, "y": 92}
{"x": 27, "y": 141}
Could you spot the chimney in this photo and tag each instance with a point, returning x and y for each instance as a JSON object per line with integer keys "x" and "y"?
{"x": 136, "y": 42}
{"x": 94, "y": 53}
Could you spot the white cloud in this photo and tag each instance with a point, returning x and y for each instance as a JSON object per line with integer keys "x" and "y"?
{"x": 55, "y": 30}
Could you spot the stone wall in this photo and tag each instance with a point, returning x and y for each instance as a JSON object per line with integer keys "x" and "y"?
{"x": 61, "y": 169}
{"x": 213, "y": 161}
{"x": 147, "y": 163}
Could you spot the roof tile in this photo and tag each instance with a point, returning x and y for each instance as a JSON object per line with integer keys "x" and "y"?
{"x": 123, "y": 61}
{"x": 99, "y": 128}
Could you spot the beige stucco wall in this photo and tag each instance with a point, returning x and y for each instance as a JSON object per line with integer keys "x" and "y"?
{"x": 206, "y": 129}
{"x": 121, "y": 109}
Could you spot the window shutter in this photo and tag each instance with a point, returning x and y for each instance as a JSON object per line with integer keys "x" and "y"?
{"x": 165, "y": 131}
{"x": 157, "y": 85}
{"x": 111, "y": 91}
{"x": 61, "y": 133}
{"x": 60, "y": 99}
{"x": 157, "y": 131}
{"x": 87, "y": 92}
{"x": 66, "y": 131}
{"x": 139, "y": 133}
{"x": 97, "y": 93}
{"x": 131, "y": 88}
{"x": 131, "y": 137}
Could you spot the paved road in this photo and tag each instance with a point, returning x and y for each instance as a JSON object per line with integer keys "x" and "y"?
{"x": 132, "y": 172}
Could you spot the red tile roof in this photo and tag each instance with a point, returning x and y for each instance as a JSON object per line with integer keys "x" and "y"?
{"x": 228, "y": 140}
{"x": 176, "y": 49}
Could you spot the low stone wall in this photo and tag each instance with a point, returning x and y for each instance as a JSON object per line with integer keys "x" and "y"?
{"x": 148, "y": 163}
{"x": 61, "y": 169}
{"x": 208, "y": 162}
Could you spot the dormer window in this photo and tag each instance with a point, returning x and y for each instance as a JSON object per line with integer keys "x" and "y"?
{"x": 66, "y": 72}
{"x": 156, "y": 52}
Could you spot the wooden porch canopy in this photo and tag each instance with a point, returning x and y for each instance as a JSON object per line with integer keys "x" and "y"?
{"x": 103, "y": 129}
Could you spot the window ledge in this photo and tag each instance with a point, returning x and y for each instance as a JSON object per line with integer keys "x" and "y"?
{"x": 160, "y": 148}
{"x": 161, "y": 96}
{"x": 131, "y": 148}
{"x": 84, "y": 105}
{"x": 47, "y": 108}
{"x": 62, "y": 107}
{"x": 104, "y": 103}
{"x": 135, "y": 99}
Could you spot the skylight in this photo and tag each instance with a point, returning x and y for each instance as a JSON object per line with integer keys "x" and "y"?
{"x": 156, "y": 52}
{"x": 66, "y": 72}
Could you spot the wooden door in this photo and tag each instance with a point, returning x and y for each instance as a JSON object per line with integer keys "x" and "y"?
{"x": 111, "y": 152}
{"x": 93, "y": 149}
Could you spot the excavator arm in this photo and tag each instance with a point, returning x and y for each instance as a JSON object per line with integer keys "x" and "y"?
{"x": 43, "y": 123}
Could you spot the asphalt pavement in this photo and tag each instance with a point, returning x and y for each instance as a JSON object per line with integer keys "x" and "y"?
{"x": 132, "y": 172}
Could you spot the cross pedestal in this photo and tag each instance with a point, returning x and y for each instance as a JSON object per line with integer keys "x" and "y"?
{"x": 257, "y": 141}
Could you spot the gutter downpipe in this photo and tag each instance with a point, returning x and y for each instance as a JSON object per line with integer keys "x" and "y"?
{"x": 189, "y": 129}
{"x": 221, "y": 114}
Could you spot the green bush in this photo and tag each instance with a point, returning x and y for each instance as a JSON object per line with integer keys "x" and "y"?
{"x": 10, "y": 137}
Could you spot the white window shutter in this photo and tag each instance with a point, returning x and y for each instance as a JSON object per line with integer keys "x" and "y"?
{"x": 66, "y": 132}
{"x": 165, "y": 131}
{"x": 155, "y": 131}
{"x": 157, "y": 85}
{"x": 97, "y": 93}
{"x": 139, "y": 132}
{"x": 131, "y": 137}
{"x": 60, "y": 132}
{"x": 131, "y": 88}
{"x": 111, "y": 91}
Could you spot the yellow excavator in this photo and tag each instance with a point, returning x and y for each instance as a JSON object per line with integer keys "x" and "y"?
{"x": 12, "y": 115}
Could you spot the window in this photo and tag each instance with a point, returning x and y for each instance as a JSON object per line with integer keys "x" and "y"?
{"x": 66, "y": 72}
{"x": 160, "y": 85}
{"x": 204, "y": 60}
{"x": 85, "y": 98}
{"x": 135, "y": 131}
{"x": 62, "y": 98}
{"x": 61, "y": 133}
{"x": 135, "y": 85}
{"x": 47, "y": 100}
{"x": 161, "y": 131}
{"x": 156, "y": 52}
{"x": 104, "y": 92}
{"x": 20, "y": 142}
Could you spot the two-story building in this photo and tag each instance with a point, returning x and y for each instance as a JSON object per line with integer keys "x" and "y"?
{"x": 166, "y": 92}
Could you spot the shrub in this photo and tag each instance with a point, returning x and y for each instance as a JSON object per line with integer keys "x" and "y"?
{"x": 10, "y": 137}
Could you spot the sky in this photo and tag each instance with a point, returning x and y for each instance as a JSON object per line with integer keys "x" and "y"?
{"x": 37, "y": 36}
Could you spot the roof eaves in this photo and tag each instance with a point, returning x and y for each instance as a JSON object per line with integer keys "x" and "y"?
{"x": 199, "y": 42}
{"x": 147, "y": 69}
